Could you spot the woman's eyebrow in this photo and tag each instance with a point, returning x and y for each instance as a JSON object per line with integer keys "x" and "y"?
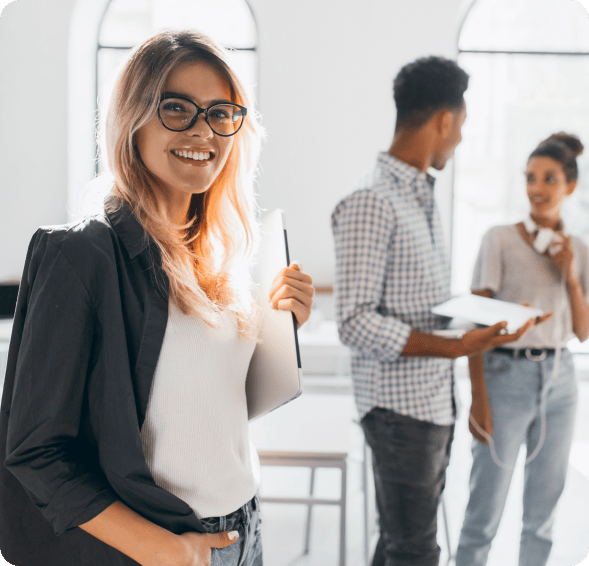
{"x": 172, "y": 94}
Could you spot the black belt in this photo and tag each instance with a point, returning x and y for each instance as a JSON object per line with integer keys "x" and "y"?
{"x": 232, "y": 521}
{"x": 533, "y": 354}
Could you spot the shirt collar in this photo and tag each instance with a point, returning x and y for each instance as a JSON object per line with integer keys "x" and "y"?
{"x": 128, "y": 228}
{"x": 410, "y": 175}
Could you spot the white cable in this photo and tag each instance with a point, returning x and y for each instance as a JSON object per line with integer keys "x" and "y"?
{"x": 545, "y": 240}
{"x": 543, "y": 402}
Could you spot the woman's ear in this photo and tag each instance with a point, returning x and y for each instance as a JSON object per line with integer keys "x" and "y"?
{"x": 571, "y": 186}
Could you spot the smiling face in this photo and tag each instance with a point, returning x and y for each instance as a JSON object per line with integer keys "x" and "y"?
{"x": 547, "y": 188}
{"x": 188, "y": 162}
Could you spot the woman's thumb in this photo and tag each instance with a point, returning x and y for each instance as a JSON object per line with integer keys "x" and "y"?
{"x": 221, "y": 540}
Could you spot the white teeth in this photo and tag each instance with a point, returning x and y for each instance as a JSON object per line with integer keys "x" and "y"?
{"x": 196, "y": 155}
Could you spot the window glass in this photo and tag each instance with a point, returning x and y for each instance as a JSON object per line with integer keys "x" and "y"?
{"x": 229, "y": 22}
{"x": 526, "y": 25}
{"x": 513, "y": 102}
{"x": 127, "y": 23}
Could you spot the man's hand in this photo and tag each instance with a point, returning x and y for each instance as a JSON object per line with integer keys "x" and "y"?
{"x": 480, "y": 413}
{"x": 481, "y": 340}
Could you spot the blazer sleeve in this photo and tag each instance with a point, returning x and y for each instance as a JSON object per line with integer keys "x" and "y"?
{"x": 363, "y": 227}
{"x": 55, "y": 357}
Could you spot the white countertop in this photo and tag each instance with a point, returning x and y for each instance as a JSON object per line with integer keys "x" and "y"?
{"x": 5, "y": 329}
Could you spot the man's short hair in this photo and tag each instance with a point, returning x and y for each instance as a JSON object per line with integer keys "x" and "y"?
{"x": 426, "y": 86}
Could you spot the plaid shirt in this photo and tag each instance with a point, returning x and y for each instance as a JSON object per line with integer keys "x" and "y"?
{"x": 391, "y": 269}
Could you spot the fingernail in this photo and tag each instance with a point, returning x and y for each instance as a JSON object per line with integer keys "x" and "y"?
{"x": 233, "y": 535}
{"x": 298, "y": 264}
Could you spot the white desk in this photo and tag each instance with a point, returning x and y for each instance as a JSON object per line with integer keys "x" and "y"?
{"x": 321, "y": 342}
{"x": 5, "y": 330}
{"x": 312, "y": 431}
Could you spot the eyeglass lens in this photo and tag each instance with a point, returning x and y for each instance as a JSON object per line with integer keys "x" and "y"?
{"x": 177, "y": 114}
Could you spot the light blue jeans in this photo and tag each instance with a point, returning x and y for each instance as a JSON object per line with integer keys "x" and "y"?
{"x": 514, "y": 386}
{"x": 247, "y": 551}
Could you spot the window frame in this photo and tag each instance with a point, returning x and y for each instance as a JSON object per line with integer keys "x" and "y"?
{"x": 463, "y": 20}
{"x": 254, "y": 49}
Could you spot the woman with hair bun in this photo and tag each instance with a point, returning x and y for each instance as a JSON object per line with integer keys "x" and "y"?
{"x": 527, "y": 393}
{"x": 124, "y": 419}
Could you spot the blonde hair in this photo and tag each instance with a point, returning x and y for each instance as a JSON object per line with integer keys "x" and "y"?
{"x": 207, "y": 259}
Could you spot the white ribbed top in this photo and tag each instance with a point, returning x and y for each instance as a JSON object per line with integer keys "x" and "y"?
{"x": 195, "y": 435}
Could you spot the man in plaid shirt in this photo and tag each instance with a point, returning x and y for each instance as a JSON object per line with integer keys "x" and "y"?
{"x": 391, "y": 270}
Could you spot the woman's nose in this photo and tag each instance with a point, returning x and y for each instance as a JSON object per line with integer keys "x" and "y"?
{"x": 200, "y": 128}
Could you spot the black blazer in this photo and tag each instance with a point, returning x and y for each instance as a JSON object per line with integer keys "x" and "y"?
{"x": 88, "y": 329}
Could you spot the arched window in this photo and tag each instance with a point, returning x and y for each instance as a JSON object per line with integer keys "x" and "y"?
{"x": 101, "y": 34}
{"x": 528, "y": 61}
{"x": 126, "y": 23}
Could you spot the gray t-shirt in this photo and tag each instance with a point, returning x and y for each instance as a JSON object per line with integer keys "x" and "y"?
{"x": 515, "y": 272}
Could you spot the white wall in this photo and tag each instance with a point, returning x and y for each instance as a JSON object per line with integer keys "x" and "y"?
{"x": 33, "y": 122}
{"x": 322, "y": 64}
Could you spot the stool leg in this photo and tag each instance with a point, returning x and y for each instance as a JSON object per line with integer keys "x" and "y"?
{"x": 308, "y": 530}
{"x": 342, "y": 540}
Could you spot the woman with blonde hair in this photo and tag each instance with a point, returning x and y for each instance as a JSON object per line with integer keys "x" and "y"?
{"x": 124, "y": 409}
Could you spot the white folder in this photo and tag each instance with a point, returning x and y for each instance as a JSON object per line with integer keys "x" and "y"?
{"x": 274, "y": 376}
{"x": 482, "y": 310}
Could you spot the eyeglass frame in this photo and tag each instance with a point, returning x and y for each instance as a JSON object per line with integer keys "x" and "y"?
{"x": 200, "y": 111}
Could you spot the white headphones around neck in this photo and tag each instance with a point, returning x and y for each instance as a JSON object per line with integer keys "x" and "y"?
{"x": 546, "y": 239}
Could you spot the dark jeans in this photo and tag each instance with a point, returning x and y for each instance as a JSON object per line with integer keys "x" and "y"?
{"x": 410, "y": 459}
{"x": 247, "y": 551}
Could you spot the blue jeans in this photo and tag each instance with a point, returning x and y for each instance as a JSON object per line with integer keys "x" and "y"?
{"x": 247, "y": 551}
{"x": 410, "y": 459}
{"x": 514, "y": 386}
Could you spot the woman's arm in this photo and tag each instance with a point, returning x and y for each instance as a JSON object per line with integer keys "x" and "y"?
{"x": 579, "y": 309}
{"x": 151, "y": 545}
{"x": 564, "y": 260}
{"x": 480, "y": 409}
{"x": 48, "y": 378}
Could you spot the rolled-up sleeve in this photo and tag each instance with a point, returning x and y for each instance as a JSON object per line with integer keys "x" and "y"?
{"x": 52, "y": 368}
{"x": 363, "y": 227}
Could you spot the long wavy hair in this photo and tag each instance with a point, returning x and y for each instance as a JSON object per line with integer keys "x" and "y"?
{"x": 207, "y": 259}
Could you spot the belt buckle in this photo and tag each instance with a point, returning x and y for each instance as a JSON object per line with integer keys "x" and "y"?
{"x": 536, "y": 358}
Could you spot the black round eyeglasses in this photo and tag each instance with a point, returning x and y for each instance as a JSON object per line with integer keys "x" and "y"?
{"x": 177, "y": 114}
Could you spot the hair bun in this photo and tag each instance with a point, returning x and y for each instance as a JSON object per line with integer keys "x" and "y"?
{"x": 570, "y": 140}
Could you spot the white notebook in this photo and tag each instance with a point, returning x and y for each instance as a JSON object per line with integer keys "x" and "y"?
{"x": 482, "y": 310}
{"x": 274, "y": 376}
